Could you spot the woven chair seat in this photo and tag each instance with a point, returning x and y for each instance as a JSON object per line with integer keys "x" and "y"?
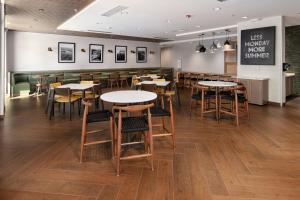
{"x": 98, "y": 116}
{"x": 134, "y": 124}
{"x": 159, "y": 112}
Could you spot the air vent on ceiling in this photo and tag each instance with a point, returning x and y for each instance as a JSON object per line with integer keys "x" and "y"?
{"x": 95, "y": 31}
{"x": 221, "y": 0}
{"x": 114, "y": 11}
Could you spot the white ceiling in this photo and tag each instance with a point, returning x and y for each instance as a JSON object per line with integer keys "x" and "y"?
{"x": 166, "y": 18}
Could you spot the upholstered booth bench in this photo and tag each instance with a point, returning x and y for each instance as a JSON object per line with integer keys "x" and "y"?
{"x": 26, "y": 82}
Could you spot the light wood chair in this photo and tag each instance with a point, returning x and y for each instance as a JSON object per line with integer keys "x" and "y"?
{"x": 95, "y": 117}
{"x": 202, "y": 95}
{"x": 238, "y": 98}
{"x": 64, "y": 97}
{"x": 80, "y": 93}
{"x": 160, "y": 111}
{"x": 113, "y": 79}
{"x": 124, "y": 78}
{"x": 139, "y": 122}
{"x": 95, "y": 96}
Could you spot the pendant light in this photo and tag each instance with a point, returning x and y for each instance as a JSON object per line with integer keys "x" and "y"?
{"x": 198, "y": 47}
{"x": 202, "y": 49}
{"x": 227, "y": 44}
{"x": 213, "y": 47}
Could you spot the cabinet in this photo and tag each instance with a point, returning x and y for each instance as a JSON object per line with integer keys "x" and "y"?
{"x": 257, "y": 90}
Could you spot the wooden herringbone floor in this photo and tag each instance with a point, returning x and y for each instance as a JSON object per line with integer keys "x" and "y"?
{"x": 259, "y": 160}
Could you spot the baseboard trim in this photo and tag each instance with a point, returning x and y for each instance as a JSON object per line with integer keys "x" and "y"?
{"x": 275, "y": 104}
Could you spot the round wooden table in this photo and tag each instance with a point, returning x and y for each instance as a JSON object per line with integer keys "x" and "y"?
{"x": 128, "y": 97}
{"x": 217, "y": 85}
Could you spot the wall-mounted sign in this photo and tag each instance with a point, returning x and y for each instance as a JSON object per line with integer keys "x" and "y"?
{"x": 258, "y": 46}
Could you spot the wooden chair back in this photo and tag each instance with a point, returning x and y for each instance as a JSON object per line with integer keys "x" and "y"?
{"x": 54, "y": 85}
{"x": 148, "y": 87}
{"x": 86, "y": 82}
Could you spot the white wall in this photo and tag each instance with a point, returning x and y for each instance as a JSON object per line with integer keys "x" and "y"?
{"x": 273, "y": 72}
{"x": 192, "y": 61}
{"x": 29, "y": 52}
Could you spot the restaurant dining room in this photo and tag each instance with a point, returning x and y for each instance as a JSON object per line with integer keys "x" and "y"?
{"x": 160, "y": 100}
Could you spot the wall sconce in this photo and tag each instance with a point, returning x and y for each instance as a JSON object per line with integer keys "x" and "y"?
{"x": 83, "y": 50}
{"x": 152, "y": 52}
{"x": 133, "y": 52}
{"x": 110, "y": 51}
{"x": 50, "y": 49}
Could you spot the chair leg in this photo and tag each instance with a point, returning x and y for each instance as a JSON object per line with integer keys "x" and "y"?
{"x": 118, "y": 153}
{"x": 173, "y": 131}
{"x": 191, "y": 103}
{"x": 79, "y": 107}
{"x": 236, "y": 109}
{"x": 149, "y": 133}
{"x": 64, "y": 108}
{"x": 70, "y": 111}
{"x": 111, "y": 130}
{"x": 247, "y": 109}
{"x": 48, "y": 102}
{"x": 83, "y": 139}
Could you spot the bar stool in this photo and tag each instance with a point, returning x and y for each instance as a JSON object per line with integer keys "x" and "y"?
{"x": 127, "y": 125}
{"x": 95, "y": 117}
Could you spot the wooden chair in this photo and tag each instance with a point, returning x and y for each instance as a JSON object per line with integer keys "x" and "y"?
{"x": 236, "y": 96}
{"x": 41, "y": 83}
{"x": 174, "y": 91}
{"x": 124, "y": 78}
{"x": 160, "y": 111}
{"x": 205, "y": 97}
{"x": 127, "y": 125}
{"x": 95, "y": 96}
{"x": 80, "y": 93}
{"x": 95, "y": 117}
{"x": 52, "y": 86}
{"x": 148, "y": 87}
{"x": 64, "y": 97}
{"x": 86, "y": 77}
{"x": 134, "y": 82}
{"x": 113, "y": 79}
{"x": 97, "y": 77}
{"x": 187, "y": 80}
{"x": 145, "y": 78}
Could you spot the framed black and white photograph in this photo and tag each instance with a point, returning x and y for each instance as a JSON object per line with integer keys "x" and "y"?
{"x": 120, "y": 54}
{"x": 141, "y": 54}
{"x": 66, "y": 52}
{"x": 96, "y": 53}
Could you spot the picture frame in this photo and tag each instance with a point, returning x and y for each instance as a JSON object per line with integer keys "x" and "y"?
{"x": 141, "y": 54}
{"x": 66, "y": 52}
{"x": 96, "y": 53}
{"x": 120, "y": 54}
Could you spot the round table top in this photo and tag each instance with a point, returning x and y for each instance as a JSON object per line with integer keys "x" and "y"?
{"x": 217, "y": 83}
{"x": 128, "y": 96}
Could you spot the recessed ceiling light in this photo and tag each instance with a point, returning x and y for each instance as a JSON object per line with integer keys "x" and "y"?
{"x": 41, "y": 10}
{"x": 169, "y": 21}
{"x": 245, "y": 17}
{"x": 217, "y": 9}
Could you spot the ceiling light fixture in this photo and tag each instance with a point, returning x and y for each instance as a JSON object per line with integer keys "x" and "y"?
{"x": 217, "y": 9}
{"x": 41, "y": 10}
{"x": 169, "y": 21}
{"x": 227, "y": 44}
{"x": 200, "y": 48}
{"x": 213, "y": 46}
{"x": 207, "y": 30}
{"x": 245, "y": 17}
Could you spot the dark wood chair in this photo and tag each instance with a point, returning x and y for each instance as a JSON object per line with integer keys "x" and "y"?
{"x": 95, "y": 117}
{"x": 95, "y": 96}
{"x": 137, "y": 123}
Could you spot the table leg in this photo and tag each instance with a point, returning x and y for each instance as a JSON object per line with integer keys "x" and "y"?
{"x": 217, "y": 104}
